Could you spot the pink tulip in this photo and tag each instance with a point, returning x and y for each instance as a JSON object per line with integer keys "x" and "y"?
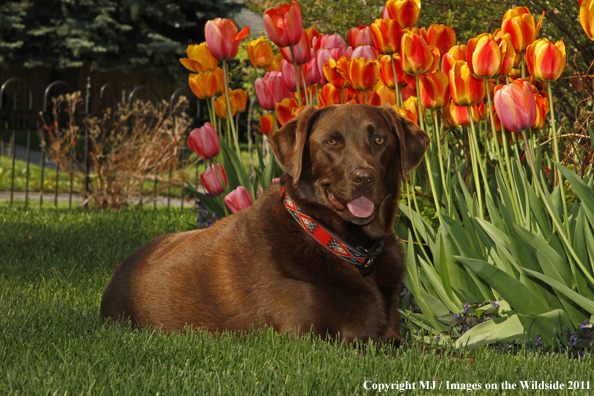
{"x": 284, "y": 24}
{"x": 288, "y": 73}
{"x": 222, "y": 37}
{"x": 515, "y": 105}
{"x": 271, "y": 89}
{"x": 364, "y": 51}
{"x": 328, "y": 41}
{"x": 238, "y": 199}
{"x": 360, "y": 35}
{"x": 210, "y": 179}
{"x": 302, "y": 51}
{"x": 204, "y": 141}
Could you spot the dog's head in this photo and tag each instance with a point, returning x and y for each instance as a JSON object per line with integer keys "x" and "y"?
{"x": 349, "y": 158}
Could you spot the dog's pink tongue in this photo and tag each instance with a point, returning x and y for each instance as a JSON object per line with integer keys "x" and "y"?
{"x": 361, "y": 207}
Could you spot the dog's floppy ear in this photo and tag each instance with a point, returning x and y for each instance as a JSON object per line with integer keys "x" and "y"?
{"x": 412, "y": 140}
{"x": 289, "y": 141}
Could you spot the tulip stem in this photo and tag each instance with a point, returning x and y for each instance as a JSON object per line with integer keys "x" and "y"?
{"x": 556, "y": 146}
{"x": 510, "y": 174}
{"x": 365, "y": 95}
{"x": 213, "y": 116}
{"x": 473, "y": 155}
{"x": 522, "y": 65}
{"x": 421, "y": 111}
{"x": 307, "y": 99}
{"x": 398, "y": 96}
{"x": 554, "y": 216}
{"x": 411, "y": 218}
{"x": 296, "y": 75}
{"x": 440, "y": 157}
{"x": 229, "y": 116}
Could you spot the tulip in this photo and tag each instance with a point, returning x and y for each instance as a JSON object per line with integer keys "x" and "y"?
{"x": 199, "y": 59}
{"x": 519, "y": 23}
{"x": 288, "y": 75}
{"x": 483, "y": 113}
{"x": 210, "y": 179}
{"x": 222, "y": 37}
{"x": 387, "y": 36}
{"x": 484, "y": 56}
{"x": 515, "y": 105}
{"x": 387, "y": 72}
{"x": 406, "y": 12}
{"x": 408, "y": 92}
{"x": 456, "y": 53}
{"x": 508, "y": 54}
{"x": 207, "y": 84}
{"x": 417, "y": 56}
{"x": 364, "y": 51}
{"x": 385, "y": 94}
{"x": 587, "y": 17}
{"x": 460, "y": 115}
{"x": 546, "y": 60}
{"x": 204, "y": 141}
{"x": 276, "y": 63}
{"x": 312, "y": 35}
{"x": 302, "y": 51}
{"x": 238, "y": 199}
{"x": 266, "y": 126}
{"x": 360, "y": 35}
{"x": 330, "y": 95}
{"x": 366, "y": 97}
{"x": 308, "y": 93}
{"x": 442, "y": 37}
{"x": 328, "y": 41}
{"x": 260, "y": 53}
{"x": 311, "y": 72}
{"x": 323, "y": 55}
{"x": 542, "y": 108}
{"x": 466, "y": 90}
{"x": 283, "y": 110}
{"x": 407, "y": 114}
{"x": 271, "y": 89}
{"x": 361, "y": 73}
{"x": 335, "y": 70}
{"x": 284, "y": 24}
{"x": 434, "y": 90}
{"x": 221, "y": 105}
{"x": 239, "y": 99}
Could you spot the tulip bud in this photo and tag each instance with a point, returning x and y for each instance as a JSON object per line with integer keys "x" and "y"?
{"x": 417, "y": 56}
{"x": 238, "y": 199}
{"x": 546, "y": 61}
{"x": 276, "y": 63}
{"x": 361, "y": 35}
{"x": 587, "y": 17}
{"x": 204, "y": 141}
{"x": 302, "y": 51}
{"x": 266, "y": 126}
{"x": 210, "y": 179}
{"x": 519, "y": 23}
{"x": 199, "y": 59}
{"x": 387, "y": 36}
{"x": 284, "y": 24}
{"x": 406, "y": 12}
{"x": 284, "y": 110}
{"x": 466, "y": 90}
{"x": 207, "y": 84}
{"x": 222, "y": 37}
{"x": 515, "y": 105}
{"x": 260, "y": 53}
{"x": 442, "y": 37}
{"x": 221, "y": 105}
{"x": 434, "y": 90}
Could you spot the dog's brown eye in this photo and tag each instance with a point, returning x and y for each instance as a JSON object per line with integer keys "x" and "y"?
{"x": 331, "y": 142}
{"x": 379, "y": 140}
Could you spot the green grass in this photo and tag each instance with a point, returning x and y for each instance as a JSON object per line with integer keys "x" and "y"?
{"x": 54, "y": 265}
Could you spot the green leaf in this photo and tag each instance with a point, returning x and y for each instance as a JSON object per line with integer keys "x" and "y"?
{"x": 439, "y": 288}
{"x": 423, "y": 228}
{"x": 549, "y": 326}
{"x": 211, "y": 205}
{"x": 585, "y": 193}
{"x": 522, "y": 299}
{"x": 492, "y": 331}
{"x": 242, "y": 175}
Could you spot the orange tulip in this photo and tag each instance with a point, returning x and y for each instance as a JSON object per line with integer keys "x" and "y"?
{"x": 441, "y": 36}
{"x": 330, "y": 95}
{"x": 260, "y": 53}
{"x": 387, "y": 36}
{"x": 408, "y": 92}
{"x": 407, "y": 114}
{"x": 519, "y": 23}
{"x": 484, "y": 56}
{"x": 460, "y": 116}
{"x": 222, "y": 37}
{"x": 587, "y": 17}
{"x": 456, "y": 53}
{"x": 276, "y": 63}
{"x": 221, "y": 105}
{"x": 199, "y": 58}
{"x": 335, "y": 70}
{"x": 284, "y": 110}
{"x": 361, "y": 73}
{"x": 266, "y": 126}
{"x": 434, "y": 90}
{"x": 412, "y": 104}
{"x": 312, "y": 33}
{"x": 385, "y": 94}
{"x": 546, "y": 61}
{"x": 284, "y": 24}
{"x": 387, "y": 73}
{"x": 406, "y": 12}
{"x": 466, "y": 89}
{"x": 508, "y": 54}
{"x": 417, "y": 56}
{"x": 207, "y": 84}
{"x": 239, "y": 97}
{"x": 542, "y": 109}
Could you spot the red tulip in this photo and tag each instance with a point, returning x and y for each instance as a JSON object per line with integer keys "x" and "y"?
{"x": 222, "y": 37}
{"x": 204, "y": 141}
{"x": 335, "y": 70}
{"x": 587, "y": 17}
{"x": 387, "y": 72}
{"x": 456, "y": 53}
{"x": 408, "y": 92}
{"x": 387, "y": 36}
{"x": 434, "y": 90}
{"x": 360, "y": 35}
{"x": 238, "y": 199}
{"x": 361, "y": 73}
{"x": 484, "y": 56}
{"x": 271, "y": 89}
{"x": 406, "y": 12}
{"x": 373, "y": 98}
{"x": 542, "y": 108}
{"x": 284, "y": 110}
{"x": 210, "y": 179}
{"x": 302, "y": 51}
{"x": 441, "y": 36}
{"x": 417, "y": 56}
{"x": 385, "y": 94}
{"x": 459, "y": 114}
{"x": 546, "y": 61}
{"x": 519, "y": 23}
{"x": 325, "y": 54}
{"x": 284, "y": 24}
{"x": 508, "y": 54}
{"x": 364, "y": 51}
{"x": 407, "y": 114}
{"x": 266, "y": 126}
{"x": 515, "y": 105}
{"x": 312, "y": 35}
{"x": 330, "y": 95}
{"x": 466, "y": 89}
{"x": 288, "y": 73}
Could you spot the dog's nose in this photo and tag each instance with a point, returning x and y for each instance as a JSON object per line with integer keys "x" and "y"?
{"x": 363, "y": 177}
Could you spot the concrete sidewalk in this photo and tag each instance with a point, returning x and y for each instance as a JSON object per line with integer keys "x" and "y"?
{"x": 49, "y": 199}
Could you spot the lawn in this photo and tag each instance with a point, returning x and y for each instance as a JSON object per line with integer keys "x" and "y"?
{"x": 55, "y": 264}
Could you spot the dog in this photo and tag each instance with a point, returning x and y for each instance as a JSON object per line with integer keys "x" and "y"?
{"x": 315, "y": 253}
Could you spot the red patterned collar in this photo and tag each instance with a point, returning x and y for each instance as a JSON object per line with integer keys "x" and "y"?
{"x": 360, "y": 257}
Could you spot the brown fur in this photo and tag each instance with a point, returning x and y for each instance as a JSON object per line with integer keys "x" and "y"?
{"x": 258, "y": 267}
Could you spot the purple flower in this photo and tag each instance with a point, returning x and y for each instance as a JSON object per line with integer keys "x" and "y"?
{"x": 465, "y": 309}
{"x": 495, "y": 303}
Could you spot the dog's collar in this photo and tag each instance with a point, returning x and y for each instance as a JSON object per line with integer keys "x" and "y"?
{"x": 363, "y": 259}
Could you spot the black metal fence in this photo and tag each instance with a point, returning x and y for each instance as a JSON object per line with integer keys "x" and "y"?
{"x": 20, "y": 125}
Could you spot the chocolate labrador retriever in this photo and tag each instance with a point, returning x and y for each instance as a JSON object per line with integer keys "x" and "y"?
{"x": 316, "y": 250}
